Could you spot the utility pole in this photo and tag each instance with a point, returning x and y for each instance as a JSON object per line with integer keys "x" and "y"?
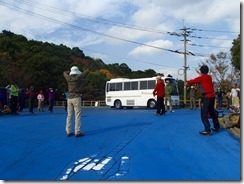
{"x": 185, "y": 34}
{"x": 185, "y": 67}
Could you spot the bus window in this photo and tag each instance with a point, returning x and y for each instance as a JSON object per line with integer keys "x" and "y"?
{"x": 127, "y": 86}
{"x": 134, "y": 85}
{"x": 115, "y": 86}
{"x": 143, "y": 84}
{"x": 112, "y": 87}
{"x": 130, "y": 85}
{"x": 118, "y": 86}
{"x": 151, "y": 84}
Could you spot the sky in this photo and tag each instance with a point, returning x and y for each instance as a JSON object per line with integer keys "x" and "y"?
{"x": 144, "y": 34}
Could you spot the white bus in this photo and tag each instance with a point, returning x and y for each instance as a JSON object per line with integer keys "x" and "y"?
{"x": 123, "y": 92}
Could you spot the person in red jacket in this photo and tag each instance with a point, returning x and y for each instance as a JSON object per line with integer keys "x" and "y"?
{"x": 207, "y": 100}
{"x": 160, "y": 92}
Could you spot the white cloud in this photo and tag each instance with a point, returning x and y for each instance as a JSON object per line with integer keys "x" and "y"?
{"x": 163, "y": 15}
{"x": 145, "y": 50}
{"x": 222, "y": 41}
{"x": 95, "y": 8}
{"x": 148, "y": 16}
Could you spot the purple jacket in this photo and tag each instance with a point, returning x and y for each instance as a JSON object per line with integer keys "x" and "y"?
{"x": 51, "y": 94}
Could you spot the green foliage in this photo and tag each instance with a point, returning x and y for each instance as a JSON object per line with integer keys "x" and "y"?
{"x": 42, "y": 64}
{"x": 236, "y": 53}
{"x": 181, "y": 88}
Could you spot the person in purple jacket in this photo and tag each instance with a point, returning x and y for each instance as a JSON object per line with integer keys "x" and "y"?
{"x": 51, "y": 97}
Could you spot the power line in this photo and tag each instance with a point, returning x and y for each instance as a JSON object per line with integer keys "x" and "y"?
{"x": 210, "y": 38}
{"x": 192, "y": 44}
{"x": 89, "y": 18}
{"x": 107, "y": 54}
{"x": 220, "y": 31}
{"x": 129, "y": 58}
{"x": 85, "y": 29}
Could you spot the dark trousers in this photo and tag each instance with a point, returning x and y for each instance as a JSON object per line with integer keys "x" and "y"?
{"x": 160, "y": 105}
{"x": 13, "y": 104}
{"x": 51, "y": 103}
{"x": 65, "y": 105}
{"x": 207, "y": 106}
{"x": 220, "y": 103}
{"x": 31, "y": 104}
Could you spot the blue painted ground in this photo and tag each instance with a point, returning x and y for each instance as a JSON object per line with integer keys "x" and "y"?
{"x": 122, "y": 145}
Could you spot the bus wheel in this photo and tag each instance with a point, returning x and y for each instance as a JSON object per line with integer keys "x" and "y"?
{"x": 151, "y": 104}
{"x": 118, "y": 104}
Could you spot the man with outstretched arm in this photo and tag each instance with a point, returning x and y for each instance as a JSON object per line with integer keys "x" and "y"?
{"x": 207, "y": 100}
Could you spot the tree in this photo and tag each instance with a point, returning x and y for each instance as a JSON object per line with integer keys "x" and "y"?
{"x": 181, "y": 88}
{"x": 42, "y": 64}
{"x": 236, "y": 53}
{"x": 124, "y": 70}
{"x": 220, "y": 69}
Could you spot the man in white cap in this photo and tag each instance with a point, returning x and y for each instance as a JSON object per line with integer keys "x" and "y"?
{"x": 74, "y": 78}
{"x": 160, "y": 92}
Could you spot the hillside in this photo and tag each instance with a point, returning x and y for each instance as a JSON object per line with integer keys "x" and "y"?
{"x": 41, "y": 64}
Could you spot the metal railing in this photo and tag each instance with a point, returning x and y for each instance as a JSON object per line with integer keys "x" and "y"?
{"x": 102, "y": 103}
{"x": 85, "y": 103}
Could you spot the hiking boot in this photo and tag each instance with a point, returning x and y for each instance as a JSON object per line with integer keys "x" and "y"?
{"x": 216, "y": 129}
{"x": 204, "y": 132}
{"x": 79, "y": 134}
{"x": 70, "y": 134}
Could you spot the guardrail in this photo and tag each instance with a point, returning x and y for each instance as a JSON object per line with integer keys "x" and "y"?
{"x": 102, "y": 103}
{"x": 89, "y": 103}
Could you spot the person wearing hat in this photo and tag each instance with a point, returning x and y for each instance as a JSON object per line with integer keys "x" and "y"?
{"x": 168, "y": 91}
{"x": 14, "y": 91}
{"x": 219, "y": 93}
{"x": 193, "y": 98}
{"x": 207, "y": 100}
{"x": 40, "y": 98}
{"x": 159, "y": 91}
{"x": 235, "y": 93}
{"x": 74, "y": 78}
{"x": 32, "y": 95}
{"x": 51, "y": 98}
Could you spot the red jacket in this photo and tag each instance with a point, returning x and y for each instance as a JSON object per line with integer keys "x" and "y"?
{"x": 206, "y": 85}
{"x": 159, "y": 89}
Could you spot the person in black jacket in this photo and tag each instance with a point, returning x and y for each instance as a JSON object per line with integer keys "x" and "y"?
{"x": 74, "y": 78}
